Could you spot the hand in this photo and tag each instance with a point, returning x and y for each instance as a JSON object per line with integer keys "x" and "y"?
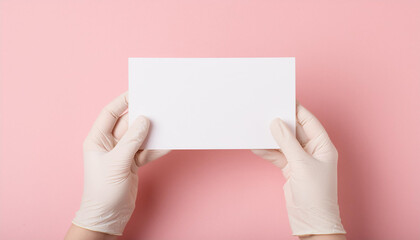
{"x": 111, "y": 160}
{"x": 309, "y": 163}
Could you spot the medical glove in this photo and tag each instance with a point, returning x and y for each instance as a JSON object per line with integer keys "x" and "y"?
{"x": 309, "y": 163}
{"x": 111, "y": 160}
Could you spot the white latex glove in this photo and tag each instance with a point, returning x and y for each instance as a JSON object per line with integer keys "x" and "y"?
{"x": 309, "y": 163}
{"x": 111, "y": 161}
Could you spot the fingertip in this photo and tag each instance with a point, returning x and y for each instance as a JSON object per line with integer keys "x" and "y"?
{"x": 283, "y": 125}
{"x": 275, "y": 123}
{"x": 143, "y": 119}
{"x": 142, "y": 123}
{"x": 276, "y": 130}
{"x": 278, "y": 126}
{"x": 281, "y": 132}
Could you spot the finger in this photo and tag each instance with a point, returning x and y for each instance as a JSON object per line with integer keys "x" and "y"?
{"x": 111, "y": 113}
{"x": 274, "y": 156}
{"x": 310, "y": 124}
{"x": 120, "y": 127}
{"x": 147, "y": 156}
{"x": 287, "y": 142}
{"x": 134, "y": 137}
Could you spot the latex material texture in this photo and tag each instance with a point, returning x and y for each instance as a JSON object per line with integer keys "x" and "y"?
{"x": 309, "y": 163}
{"x": 111, "y": 160}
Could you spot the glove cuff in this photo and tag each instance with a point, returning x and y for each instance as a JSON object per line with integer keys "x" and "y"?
{"x": 314, "y": 221}
{"x": 112, "y": 223}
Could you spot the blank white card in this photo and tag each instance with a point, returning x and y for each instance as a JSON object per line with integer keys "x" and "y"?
{"x": 212, "y": 103}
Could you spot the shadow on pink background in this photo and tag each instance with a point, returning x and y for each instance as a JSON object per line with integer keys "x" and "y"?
{"x": 357, "y": 71}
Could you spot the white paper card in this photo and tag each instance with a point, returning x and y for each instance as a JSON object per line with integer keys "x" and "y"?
{"x": 212, "y": 103}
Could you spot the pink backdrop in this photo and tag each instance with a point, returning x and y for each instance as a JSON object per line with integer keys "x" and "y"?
{"x": 357, "y": 70}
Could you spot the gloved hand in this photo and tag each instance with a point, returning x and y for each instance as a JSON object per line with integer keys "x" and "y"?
{"x": 111, "y": 161}
{"x": 309, "y": 163}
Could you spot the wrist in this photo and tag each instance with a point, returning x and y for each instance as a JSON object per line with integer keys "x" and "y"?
{"x": 79, "y": 233}
{"x": 314, "y": 221}
{"x": 100, "y": 218}
{"x": 324, "y": 237}
{"x": 312, "y": 216}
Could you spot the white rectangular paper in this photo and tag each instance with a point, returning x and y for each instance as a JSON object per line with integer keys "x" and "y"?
{"x": 212, "y": 103}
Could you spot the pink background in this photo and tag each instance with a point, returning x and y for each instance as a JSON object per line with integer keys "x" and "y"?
{"x": 358, "y": 70}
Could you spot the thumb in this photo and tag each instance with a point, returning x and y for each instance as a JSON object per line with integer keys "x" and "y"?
{"x": 135, "y": 136}
{"x": 287, "y": 142}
